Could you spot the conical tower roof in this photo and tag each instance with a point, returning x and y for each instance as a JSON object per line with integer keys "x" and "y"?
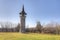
{"x": 23, "y": 11}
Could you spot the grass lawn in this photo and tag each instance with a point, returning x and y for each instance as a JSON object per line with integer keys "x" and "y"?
{"x": 30, "y": 36}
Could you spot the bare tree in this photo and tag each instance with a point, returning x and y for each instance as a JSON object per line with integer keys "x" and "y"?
{"x": 18, "y": 27}
{"x": 57, "y": 27}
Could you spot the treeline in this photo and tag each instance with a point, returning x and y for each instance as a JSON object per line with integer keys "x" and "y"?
{"x": 8, "y": 27}
{"x": 51, "y": 28}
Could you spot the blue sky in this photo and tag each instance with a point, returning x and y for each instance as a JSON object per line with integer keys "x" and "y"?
{"x": 37, "y": 10}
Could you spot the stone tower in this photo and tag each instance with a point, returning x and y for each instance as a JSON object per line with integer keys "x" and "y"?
{"x": 22, "y": 20}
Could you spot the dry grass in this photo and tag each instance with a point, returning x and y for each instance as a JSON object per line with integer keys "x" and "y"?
{"x": 30, "y": 36}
